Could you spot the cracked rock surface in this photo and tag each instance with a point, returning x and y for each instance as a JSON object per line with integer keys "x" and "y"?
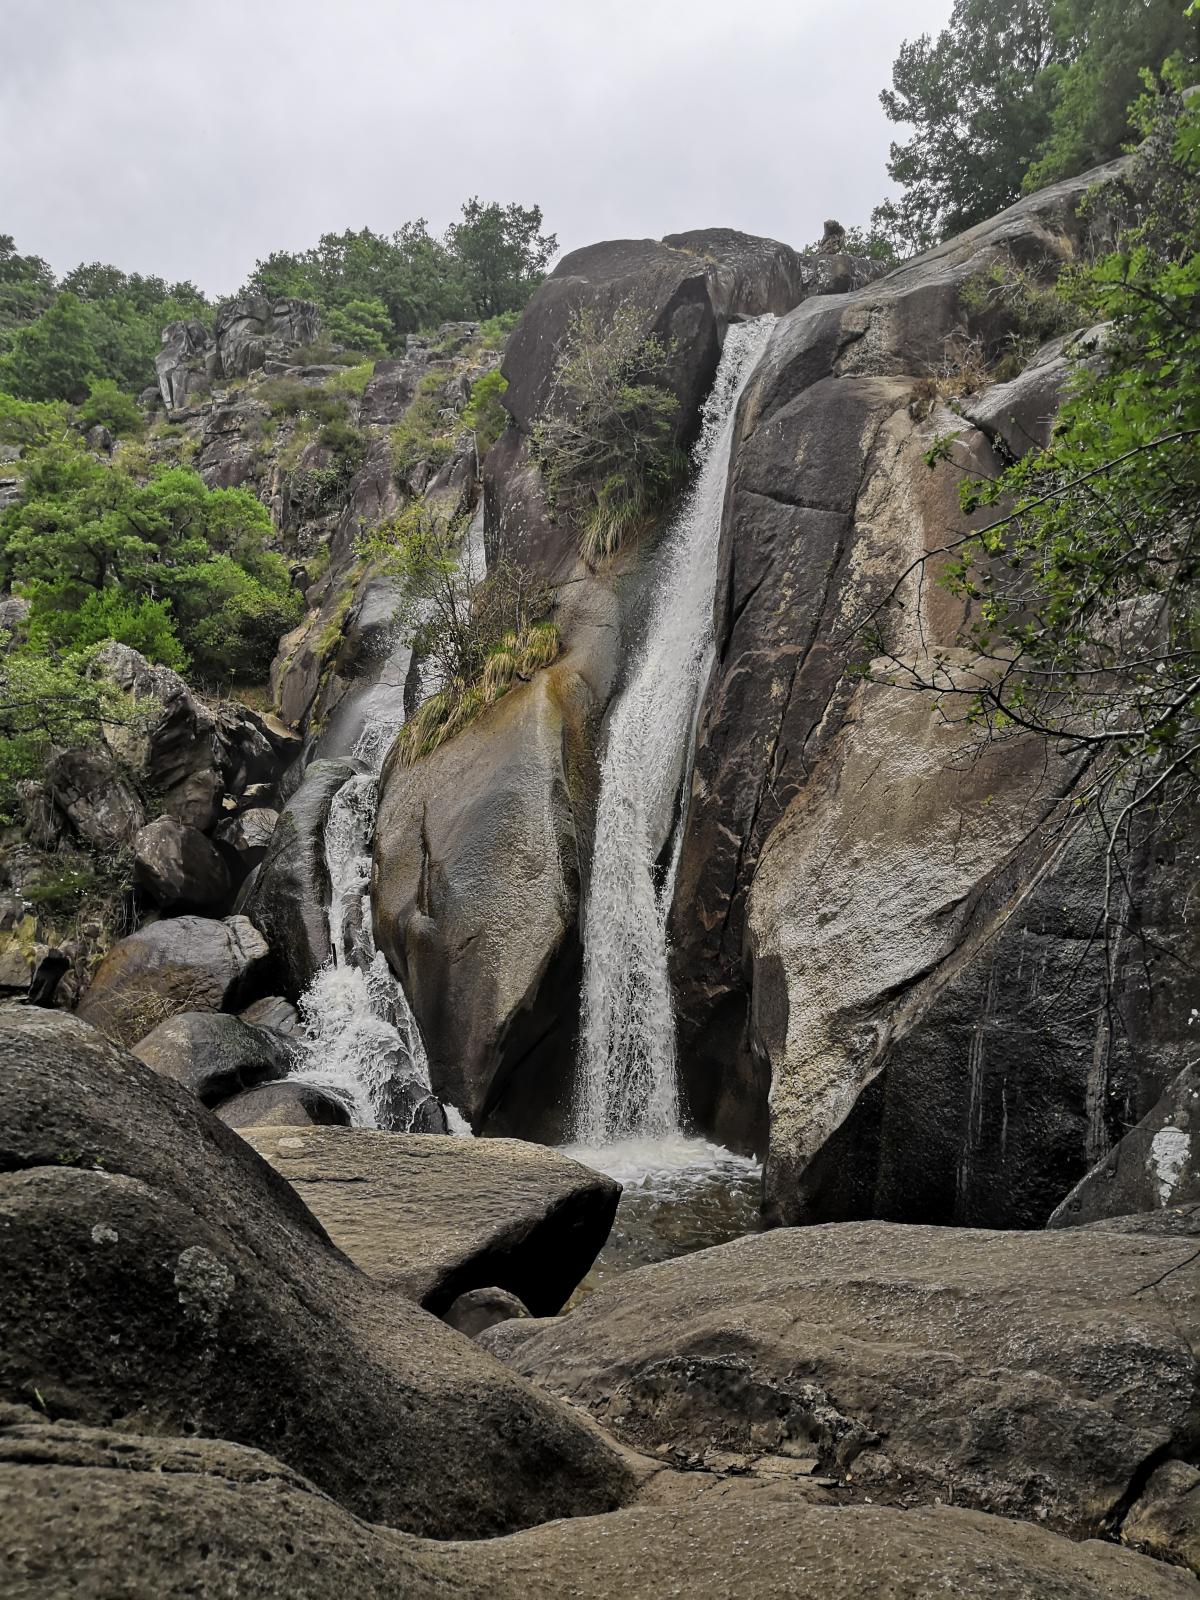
{"x": 1038, "y": 1375}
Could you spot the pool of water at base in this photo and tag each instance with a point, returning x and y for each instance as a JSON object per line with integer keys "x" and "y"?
{"x": 679, "y": 1194}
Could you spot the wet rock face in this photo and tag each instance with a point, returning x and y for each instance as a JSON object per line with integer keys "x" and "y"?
{"x": 893, "y": 986}
{"x": 1155, "y": 1166}
{"x": 439, "y": 1217}
{"x": 481, "y": 849}
{"x": 288, "y": 898}
{"x": 903, "y": 1359}
{"x": 475, "y": 888}
{"x": 157, "y": 1271}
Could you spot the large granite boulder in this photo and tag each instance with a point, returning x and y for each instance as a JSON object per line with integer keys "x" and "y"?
{"x": 685, "y": 288}
{"x": 157, "y": 1272}
{"x": 98, "y": 1513}
{"x": 437, "y": 1216}
{"x": 89, "y": 789}
{"x": 475, "y": 891}
{"x": 291, "y": 889}
{"x": 1156, "y": 1164}
{"x": 248, "y": 834}
{"x": 254, "y": 328}
{"x": 193, "y": 758}
{"x": 183, "y": 964}
{"x": 1031, "y": 1374}
{"x": 178, "y": 867}
{"x": 215, "y": 1055}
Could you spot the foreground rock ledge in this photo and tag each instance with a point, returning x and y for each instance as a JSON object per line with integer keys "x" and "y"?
{"x": 1034, "y": 1374}
{"x": 435, "y": 1216}
{"x": 94, "y": 1513}
{"x": 155, "y": 1273}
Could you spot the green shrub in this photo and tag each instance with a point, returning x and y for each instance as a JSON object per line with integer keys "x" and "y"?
{"x": 495, "y": 331}
{"x": 478, "y": 634}
{"x": 352, "y": 380}
{"x": 605, "y": 442}
{"x": 484, "y": 412}
{"x": 110, "y": 614}
{"x": 423, "y": 434}
{"x": 109, "y": 407}
{"x": 346, "y": 442}
{"x": 29, "y": 424}
{"x": 288, "y": 397}
{"x": 47, "y": 700}
{"x": 1015, "y": 313}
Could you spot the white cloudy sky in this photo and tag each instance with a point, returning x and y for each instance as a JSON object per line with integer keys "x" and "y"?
{"x": 189, "y": 137}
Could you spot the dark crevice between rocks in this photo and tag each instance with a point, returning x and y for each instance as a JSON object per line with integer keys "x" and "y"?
{"x": 1111, "y": 1525}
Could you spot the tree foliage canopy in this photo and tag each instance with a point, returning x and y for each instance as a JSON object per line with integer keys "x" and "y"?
{"x": 1013, "y": 94}
{"x": 169, "y": 566}
{"x": 374, "y": 289}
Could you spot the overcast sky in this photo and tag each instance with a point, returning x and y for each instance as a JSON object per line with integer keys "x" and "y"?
{"x": 190, "y": 137}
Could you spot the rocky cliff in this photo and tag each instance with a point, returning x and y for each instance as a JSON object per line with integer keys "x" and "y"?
{"x": 877, "y": 924}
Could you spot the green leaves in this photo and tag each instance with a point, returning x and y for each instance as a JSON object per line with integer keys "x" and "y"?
{"x": 1084, "y": 588}
{"x": 170, "y": 566}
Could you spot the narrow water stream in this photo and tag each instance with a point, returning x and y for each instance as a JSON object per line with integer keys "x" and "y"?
{"x": 680, "y": 1193}
{"x": 360, "y": 1040}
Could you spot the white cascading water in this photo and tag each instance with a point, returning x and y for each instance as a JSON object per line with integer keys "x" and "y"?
{"x": 627, "y": 1087}
{"x": 361, "y": 1040}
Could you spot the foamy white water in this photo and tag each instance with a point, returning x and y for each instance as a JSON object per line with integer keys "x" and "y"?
{"x": 360, "y": 1038}
{"x": 627, "y": 1081}
{"x": 669, "y": 1165}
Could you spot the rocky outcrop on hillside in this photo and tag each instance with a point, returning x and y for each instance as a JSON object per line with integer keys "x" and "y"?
{"x": 250, "y": 331}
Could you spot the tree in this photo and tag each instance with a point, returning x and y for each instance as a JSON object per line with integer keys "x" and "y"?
{"x": 1012, "y": 94}
{"x": 362, "y": 325}
{"x": 503, "y": 254}
{"x": 26, "y": 288}
{"x": 1107, "y": 45}
{"x": 83, "y": 527}
{"x": 978, "y": 99}
{"x": 55, "y": 357}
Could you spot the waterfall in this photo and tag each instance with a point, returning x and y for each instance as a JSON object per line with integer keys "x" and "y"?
{"x": 627, "y": 1083}
{"x": 360, "y": 1038}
